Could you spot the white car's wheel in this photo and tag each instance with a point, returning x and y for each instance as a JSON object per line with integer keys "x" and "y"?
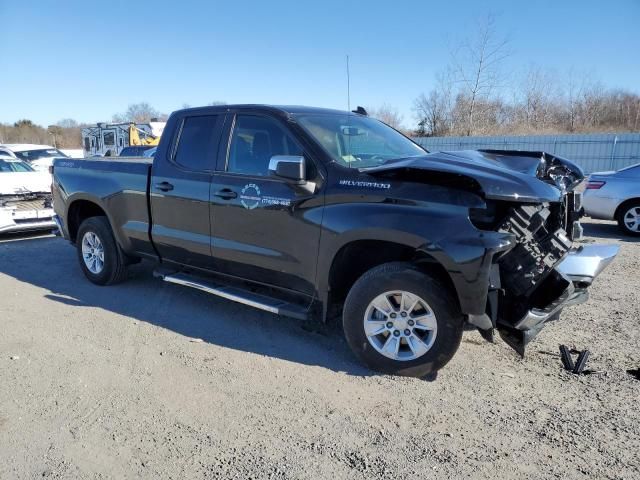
{"x": 629, "y": 218}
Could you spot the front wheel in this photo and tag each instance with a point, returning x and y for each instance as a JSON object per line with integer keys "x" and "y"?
{"x": 100, "y": 257}
{"x": 629, "y": 218}
{"x": 401, "y": 321}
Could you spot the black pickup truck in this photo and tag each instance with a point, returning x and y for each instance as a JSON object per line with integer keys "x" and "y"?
{"x": 317, "y": 213}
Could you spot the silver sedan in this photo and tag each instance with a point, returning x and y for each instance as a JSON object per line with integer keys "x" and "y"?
{"x": 615, "y": 196}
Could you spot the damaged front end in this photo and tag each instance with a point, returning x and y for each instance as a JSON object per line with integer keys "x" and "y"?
{"x": 26, "y": 211}
{"x": 544, "y": 272}
{"x": 530, "y": 198}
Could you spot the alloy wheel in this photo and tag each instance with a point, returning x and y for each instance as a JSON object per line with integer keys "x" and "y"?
{"x": 400, "y": 325}
{"x": 93, "y": 253}
{"x": 631, "y": 219}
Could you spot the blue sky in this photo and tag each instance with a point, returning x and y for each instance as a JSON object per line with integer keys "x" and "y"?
{"x": 89, "y": 60}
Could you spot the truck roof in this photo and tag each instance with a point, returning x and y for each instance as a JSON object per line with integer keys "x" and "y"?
{"x": 285, "y": 110}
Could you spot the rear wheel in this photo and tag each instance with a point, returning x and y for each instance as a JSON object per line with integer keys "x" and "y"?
{"x": 629, "y": 218}
{"x": 100, "y": 257}
{"x": 401, "y": 321}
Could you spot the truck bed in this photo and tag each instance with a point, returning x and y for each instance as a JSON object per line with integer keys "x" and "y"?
{"x": 119, "y": 185}
{"x": 128, "y": 164}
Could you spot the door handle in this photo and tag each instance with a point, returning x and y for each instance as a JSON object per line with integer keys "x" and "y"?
{"x": 164, "y": 186}
{"x": 226, "y": 194}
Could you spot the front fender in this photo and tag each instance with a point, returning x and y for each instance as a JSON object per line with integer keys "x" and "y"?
{"x": 441, "y": 231}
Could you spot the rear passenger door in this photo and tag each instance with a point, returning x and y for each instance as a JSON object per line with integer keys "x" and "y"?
{"x": 263, "y": 228}
{"x": 179, "y": 189}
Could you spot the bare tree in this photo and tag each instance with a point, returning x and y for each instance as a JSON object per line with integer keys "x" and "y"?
{"x": 67, "y": 123}
{"x": 477, "y": 66}
{"x": 387, "y": 114}
{"x": 138, "y": 113}
{"x": 537, "y": 102}
{"x": 67, "y": 132}
{"x": 434, "y": 110}
{"x": 593, "y": 101}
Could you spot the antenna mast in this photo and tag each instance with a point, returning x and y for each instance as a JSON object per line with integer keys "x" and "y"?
{"x": 348, "y": 87}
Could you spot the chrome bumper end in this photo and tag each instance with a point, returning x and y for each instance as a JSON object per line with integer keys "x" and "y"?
{"x": 583, "y": 265}
{"x": 580, "y": 267}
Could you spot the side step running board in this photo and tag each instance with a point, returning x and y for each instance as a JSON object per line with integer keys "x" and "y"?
{"x": 235, "y": 294}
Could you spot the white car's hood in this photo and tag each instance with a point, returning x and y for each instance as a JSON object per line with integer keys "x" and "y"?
{"x": 24, "y": 182}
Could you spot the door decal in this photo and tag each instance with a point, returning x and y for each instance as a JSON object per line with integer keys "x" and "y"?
{"x": 250, "y": 196}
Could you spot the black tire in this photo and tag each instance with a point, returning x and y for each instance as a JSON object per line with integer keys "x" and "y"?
{"x": 404, "y": 277}
{"x": 114, "y": 269}
{"x": 620, "y": 217}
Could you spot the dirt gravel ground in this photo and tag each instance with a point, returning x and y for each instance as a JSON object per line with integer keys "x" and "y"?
{"x": 113, "y": 383}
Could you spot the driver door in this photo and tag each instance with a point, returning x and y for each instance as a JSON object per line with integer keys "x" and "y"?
{"x": 264, "y": 229}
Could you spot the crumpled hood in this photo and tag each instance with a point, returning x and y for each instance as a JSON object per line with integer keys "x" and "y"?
{"x": 12, "y": 183}
{"x": 502, "y": 175}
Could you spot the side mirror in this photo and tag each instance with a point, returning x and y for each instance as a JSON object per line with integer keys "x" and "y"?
{"x": 289, "y": 167}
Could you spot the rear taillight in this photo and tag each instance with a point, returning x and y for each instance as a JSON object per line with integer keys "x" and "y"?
{"x": 595, "y": 184}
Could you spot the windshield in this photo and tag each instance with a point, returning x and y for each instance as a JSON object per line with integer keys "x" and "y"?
{"x": 358, "y": 142}
{"x": 30, "y": 155}
{"x": 8, "y": 166}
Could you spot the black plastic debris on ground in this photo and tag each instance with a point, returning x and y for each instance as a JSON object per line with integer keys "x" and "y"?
{"x": 580, "y": 364}
{"x": 634, "y": 373}
{"x": 565, "y": 356}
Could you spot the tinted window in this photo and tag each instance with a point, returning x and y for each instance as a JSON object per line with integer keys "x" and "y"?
{"x": 133, "y": 151}
{"x": 36, "y": 154}
{"x": 197, "y": 143}
{"x": 21, "y": 167}
{"x": 255, "y": 140}
{"x": 13, "y": 166}
{"x": 5, "y": 167}
{"x": 128, "y": 152}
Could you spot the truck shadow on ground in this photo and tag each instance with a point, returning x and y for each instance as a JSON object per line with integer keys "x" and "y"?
{"x": 51, "y": 264}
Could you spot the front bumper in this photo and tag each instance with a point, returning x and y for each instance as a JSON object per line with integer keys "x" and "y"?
{"x": 579, "y": 268}
{"x": 585, "y": 263}
{"x": 21, "y": 221}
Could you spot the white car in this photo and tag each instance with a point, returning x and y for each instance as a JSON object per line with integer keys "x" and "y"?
{"x": 40, "y": 157}
{"x": 615, "y": 196}
{"x": 25, "y": 197}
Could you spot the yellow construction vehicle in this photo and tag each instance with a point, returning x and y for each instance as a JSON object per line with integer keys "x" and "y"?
{"x": 147, "y": 139}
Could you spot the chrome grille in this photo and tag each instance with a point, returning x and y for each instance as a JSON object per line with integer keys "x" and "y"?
{"x": 29, "y": 205}
{"x": 27, "y": 202}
